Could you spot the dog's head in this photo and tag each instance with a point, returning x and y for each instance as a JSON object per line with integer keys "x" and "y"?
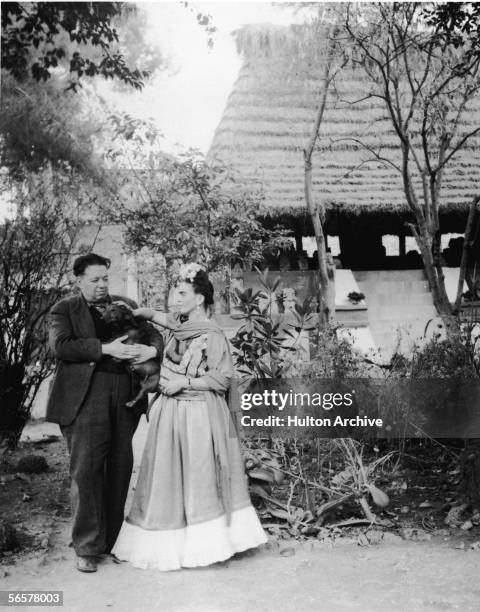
{"x": 119, "y": 316}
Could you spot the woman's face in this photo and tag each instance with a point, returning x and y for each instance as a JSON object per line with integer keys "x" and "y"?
{"x": 185, "y": 299}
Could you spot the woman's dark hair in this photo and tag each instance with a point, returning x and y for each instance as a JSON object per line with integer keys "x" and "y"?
{"x": 92, "y": 259}
{"x": 201, "y": 284}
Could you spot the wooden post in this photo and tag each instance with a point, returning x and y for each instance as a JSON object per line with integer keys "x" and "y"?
{"x": 331, "y": 286}
{"x": 298, "y": 240}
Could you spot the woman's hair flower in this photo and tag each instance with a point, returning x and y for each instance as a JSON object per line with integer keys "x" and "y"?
{"x": 187, "y": 272}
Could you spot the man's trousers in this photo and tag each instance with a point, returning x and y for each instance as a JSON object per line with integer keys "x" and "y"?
{"x": 101, "y": 460}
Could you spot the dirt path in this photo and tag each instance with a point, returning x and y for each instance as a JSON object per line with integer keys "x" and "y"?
{"x": 400, "y": 576}
{"x": 403, "y": 577}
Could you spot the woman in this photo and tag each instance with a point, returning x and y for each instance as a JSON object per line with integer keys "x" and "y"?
{"x": 191, "y": 505}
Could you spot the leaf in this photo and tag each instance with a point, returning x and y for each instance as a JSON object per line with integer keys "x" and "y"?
{"x": 426, "y": 504}
{"x": 279, "y": 513}
{"x": 256, "y": 489}
{"x": 380, "y": 498}
{"x": 276, "y": 282}
{"x": 265, "y": 369}
{"x": 299, "y": 514}
{"x": 362, "y": 540}
{"x": 342, "y": 477}
{"x": 262, "y": 474}
{"x": 278, "y": 476}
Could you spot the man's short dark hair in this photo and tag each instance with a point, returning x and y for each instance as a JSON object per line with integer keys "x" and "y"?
{"x": 91, "y": 259}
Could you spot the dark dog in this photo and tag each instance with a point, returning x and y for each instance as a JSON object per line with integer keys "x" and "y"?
{"x": 121, "y": 321}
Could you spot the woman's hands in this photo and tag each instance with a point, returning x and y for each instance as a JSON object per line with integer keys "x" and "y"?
{"x": 144, "y": 313}
{"x": 171, "y": 387}
{"x": 160, "y": 318}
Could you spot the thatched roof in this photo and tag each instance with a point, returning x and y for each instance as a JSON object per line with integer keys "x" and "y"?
{"x": 269, "y": 117}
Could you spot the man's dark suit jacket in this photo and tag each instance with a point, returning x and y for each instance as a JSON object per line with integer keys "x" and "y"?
{"x": 74, "y": 343}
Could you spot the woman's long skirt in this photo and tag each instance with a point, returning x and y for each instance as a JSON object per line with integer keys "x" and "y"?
{"x": 178, "y": 516}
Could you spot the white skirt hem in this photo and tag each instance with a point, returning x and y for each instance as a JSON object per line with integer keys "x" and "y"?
{"x": 195, "y": 545}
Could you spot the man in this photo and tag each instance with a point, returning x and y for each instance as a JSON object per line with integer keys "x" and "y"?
{"x": 91, "y": 386}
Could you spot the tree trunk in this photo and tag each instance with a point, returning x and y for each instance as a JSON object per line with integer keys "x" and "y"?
{"x": 323, "y": 284}
{"x": 316, "y": 212}
{"x": 436, "y": 281}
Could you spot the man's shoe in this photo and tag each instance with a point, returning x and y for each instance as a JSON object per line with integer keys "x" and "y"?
{"x": 86, "y": 564}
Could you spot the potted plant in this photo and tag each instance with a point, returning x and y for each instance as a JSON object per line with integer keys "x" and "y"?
{"x": 356, "y": 297}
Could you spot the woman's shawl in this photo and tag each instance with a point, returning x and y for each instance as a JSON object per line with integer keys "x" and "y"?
{"x": 218, "y": 377}
{"x": 219, "y": 359}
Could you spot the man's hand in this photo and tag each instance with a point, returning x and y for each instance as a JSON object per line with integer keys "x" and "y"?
{"x": 143, "y": 353}
{"x": 144, "y": 313}
{"x": 118, "y": 350}
{"x": 172, "y": 387}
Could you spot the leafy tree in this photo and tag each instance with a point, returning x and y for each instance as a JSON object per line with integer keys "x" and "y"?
{"x": 259, "y": 343}
{"x": 35, "y": 39}
{"x": 191, "y": 211}
{"x": 457, "y": 24}
{"x": 183, "y": 209}
{"x": 133, "y": 45}
{"x": 36, "y": 247}
{"x": 39, "y": 122}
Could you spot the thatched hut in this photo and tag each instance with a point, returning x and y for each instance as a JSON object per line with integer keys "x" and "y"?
{"x": 266, "y": 124}
{"x": 264, "y": 129}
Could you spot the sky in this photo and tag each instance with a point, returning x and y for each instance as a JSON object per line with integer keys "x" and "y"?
{"x": 187, "y": 101}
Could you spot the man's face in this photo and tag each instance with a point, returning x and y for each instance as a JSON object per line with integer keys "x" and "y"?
{"x": 93, "y": 283}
